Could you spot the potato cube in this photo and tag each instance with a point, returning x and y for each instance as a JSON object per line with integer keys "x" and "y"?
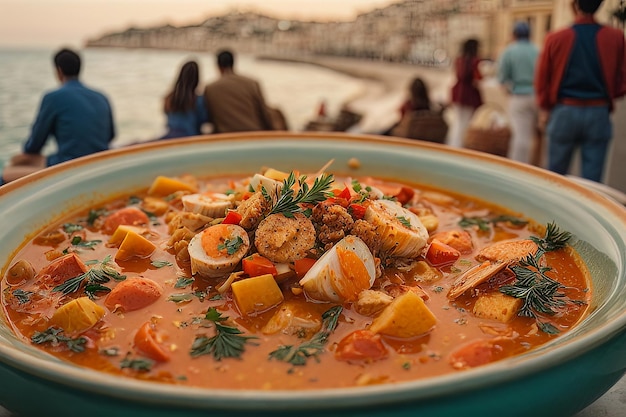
{"x": 276, "y": 174}
{"x": 372, "y": 302}
{"x": 407, "y": 316}
{"x": 163, "y": 186}
{"x": 120, "y": 233}
{"x": 78, "y": 315}
{"x": 134, "y": 246}
{"x": 257, "y": 294}
{"x": 497, "y": 306}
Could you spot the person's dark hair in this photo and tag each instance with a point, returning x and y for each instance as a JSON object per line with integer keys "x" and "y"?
{"x": 68, "y": 62}
{"x": 225, "y": 59}
{"x": 183, "y": 96}
{"x": 589, "y": 6}
{"x": 419, "y": 94}
{"x": 470, "y": 48}
{"x": 521, "y": 30}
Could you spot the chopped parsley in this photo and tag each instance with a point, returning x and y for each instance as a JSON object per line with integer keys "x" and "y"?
{"x": 55, "y": 337}
{"x": 231, "y": 245}
{"x": 404, "y": 221}
{"x": 139, "y": 365}
{"x": 228, "y": 341}
{"x": 160, "y": 264}
{"x": 183, "y": 282}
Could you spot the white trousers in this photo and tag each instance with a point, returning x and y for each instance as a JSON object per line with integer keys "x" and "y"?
{"x": 523, "y": 114}
{"x": 462, "y": 118}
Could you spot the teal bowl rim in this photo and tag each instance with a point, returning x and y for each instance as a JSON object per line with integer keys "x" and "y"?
{"x": 563, "y": 349}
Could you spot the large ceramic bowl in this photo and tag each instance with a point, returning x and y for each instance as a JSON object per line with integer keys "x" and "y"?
{"x": 557, "y": 379}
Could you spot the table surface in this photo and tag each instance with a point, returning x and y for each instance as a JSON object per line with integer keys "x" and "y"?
{"x": 611, "y": 404}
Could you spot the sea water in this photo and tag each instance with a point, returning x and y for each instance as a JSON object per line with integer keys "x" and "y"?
{"x": 136, "y": 80}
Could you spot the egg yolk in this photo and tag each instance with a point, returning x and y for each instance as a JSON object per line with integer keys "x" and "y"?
{"x": 354, "y": 277}
{"x": 213, "y": 240}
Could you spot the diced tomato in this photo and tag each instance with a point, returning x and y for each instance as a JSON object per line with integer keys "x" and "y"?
{"x": 361, "y": 345}
{"x": 345, "y": 194}
{"x": 131, "y": 216}
{"x": 302, "y": 266}
{"x": 405, "y": 195}
{"x": 357, "y": 211}
{"x": 146, "y": 342}
{"x": 440, "y": 254}
{"x": 232, "y": 217}
{"x": 255, "y": 265}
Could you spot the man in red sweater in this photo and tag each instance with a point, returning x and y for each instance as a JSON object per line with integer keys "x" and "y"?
{"x": 580, "y": 71}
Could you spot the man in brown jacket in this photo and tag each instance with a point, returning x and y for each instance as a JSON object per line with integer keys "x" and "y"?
{"x": 235, "y": 103}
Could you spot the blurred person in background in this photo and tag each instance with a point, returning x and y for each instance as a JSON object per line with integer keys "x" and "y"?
{"x": 581, "y": 70}
{"x": 80, "y": 120}
{"x": 184, "y": 109}
{"x": 235, "y": 103}
{"x": 516, "y": 72}
{"x": 466, "y": 95}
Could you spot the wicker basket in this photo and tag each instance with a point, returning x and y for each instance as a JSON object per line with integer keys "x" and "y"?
{"x": 494, "y": 141}
{"x": 488, "y": 130}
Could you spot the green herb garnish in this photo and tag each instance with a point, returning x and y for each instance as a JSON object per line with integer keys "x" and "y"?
{"x": 228, "y": 341}
{"x": 298, "y": 355}
{"x": 70, "y": 228}
{"x": 183, "y": 282}
{"x": 180, "y": 298}
{"x": 539, "y": 292}
{"x": 405, "y": 222}
{"x": 55, "y": 337}
{"x": 95, "y": 276}
{"x": 231, "y": 245}
{"x": 140, "y": 365}
{"x": 288, "y": 204}
{"x": 484, "y": 223}
{"x": 22, "y": 296}
{"x": 160, "y": 264}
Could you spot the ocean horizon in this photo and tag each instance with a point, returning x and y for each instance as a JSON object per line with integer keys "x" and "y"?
{"x": 136, "y": 80}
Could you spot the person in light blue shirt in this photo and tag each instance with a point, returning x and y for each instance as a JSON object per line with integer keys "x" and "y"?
{"x": 516, "y": 72}
{"x": 185, "y": 110}
{"x": 80, "y": 120}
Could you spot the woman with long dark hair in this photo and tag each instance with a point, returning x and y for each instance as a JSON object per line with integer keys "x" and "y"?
{"x": 466, "y": 97}
{"x": 185, "y": 110}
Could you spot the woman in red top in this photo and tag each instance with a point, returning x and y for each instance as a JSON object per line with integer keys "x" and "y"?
{"x": 466, "y": 97}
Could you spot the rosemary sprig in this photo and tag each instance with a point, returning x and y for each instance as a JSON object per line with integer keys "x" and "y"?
{"x": 228, "y": 341}
{"x": 298, "y": 355}
{"x": 94, "y": 278}
{"x": 288, "y": 202}
{"x": 539, "y": 292}
{"x": 553, "y": 240}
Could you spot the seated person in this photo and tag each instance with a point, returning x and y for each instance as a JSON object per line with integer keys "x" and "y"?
{"x": 418, "y": 119}
{"x": 79, "y": 118}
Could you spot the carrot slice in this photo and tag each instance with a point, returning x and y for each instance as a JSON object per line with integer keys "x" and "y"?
{"x": 129, "y": 215}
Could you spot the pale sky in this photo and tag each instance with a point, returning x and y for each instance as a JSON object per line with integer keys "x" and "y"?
{"x": 72, "y": 22}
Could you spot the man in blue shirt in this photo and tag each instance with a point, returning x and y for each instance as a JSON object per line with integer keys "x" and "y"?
{"x": 80, "y": 119}
{"x": 516, "y": 72}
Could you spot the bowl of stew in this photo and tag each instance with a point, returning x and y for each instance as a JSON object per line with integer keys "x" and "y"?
{"x": 300, "y": 273}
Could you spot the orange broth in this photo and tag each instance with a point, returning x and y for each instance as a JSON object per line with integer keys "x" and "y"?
{"x": 177, "y": 324}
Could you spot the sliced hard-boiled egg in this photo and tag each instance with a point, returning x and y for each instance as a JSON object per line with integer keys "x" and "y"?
{"x": 270, "y": 185}
{"x": 216, "y": 251}
{"x": 341, "y": 273}
{"x": 208, "y": 204}
{"x": 402, "y": 233}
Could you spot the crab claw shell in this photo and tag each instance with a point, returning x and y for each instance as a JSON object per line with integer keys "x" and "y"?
{"x": 341, "y": 273}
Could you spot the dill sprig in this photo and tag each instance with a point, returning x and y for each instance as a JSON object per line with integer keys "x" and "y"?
{"x": 539, "y": 292}
{"x": 94, "y": 278}
{"x": 288, "y": 202}
{"x": 228, "y": 341}
{"x": 298, "y": 355}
